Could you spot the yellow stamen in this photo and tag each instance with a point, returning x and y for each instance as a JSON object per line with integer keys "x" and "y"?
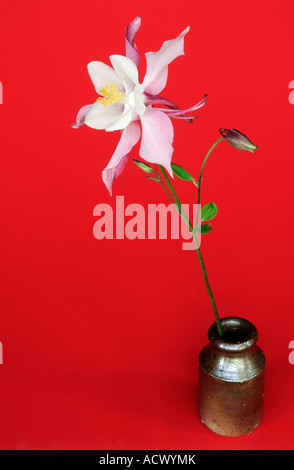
{"x": 110, "y": 94}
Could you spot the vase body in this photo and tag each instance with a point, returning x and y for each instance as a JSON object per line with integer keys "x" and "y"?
{"x": 231, "y": 379}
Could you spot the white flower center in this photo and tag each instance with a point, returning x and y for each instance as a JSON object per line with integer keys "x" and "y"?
{"x": 136, "y": 99}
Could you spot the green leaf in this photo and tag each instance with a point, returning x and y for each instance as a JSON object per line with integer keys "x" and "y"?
{"x": 153, "y": 179}
{"x": 182, "y": 173}
{"x": 144, "y": 166}
{"x": 208, "y": 211}
{"x": 204, "y": 228}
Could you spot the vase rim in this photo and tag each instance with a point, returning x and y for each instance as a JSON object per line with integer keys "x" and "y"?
{"x": 238, "y": 335}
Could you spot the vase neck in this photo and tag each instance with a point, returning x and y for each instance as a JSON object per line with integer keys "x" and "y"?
{"x": 238, "y": 335}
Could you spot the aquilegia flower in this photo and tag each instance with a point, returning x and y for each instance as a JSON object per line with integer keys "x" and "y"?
{"x": 124, "y": 102}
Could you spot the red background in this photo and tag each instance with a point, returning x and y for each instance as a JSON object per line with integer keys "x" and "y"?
{"x": 101, "y": 338}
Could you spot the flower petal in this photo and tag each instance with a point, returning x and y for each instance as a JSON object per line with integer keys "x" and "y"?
{"x": 157, "y": 63}
{"x": 101, "y": 117}
{"x": 80, "y": 119}
{"x": 130, "y": 34}
{"x": 126, "y": 69}
{"x": 157, "y": 138}
{"x": 123, "y": 121}
{"x": 109, "y": 175}
{"x": 101, "y": 74}
{"x": 176, "y": 112}
{"x": 117, "y": 163}
{"x": 157, "y": 99}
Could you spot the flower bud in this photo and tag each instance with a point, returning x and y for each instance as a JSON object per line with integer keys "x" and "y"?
{"x": 238, "y": 140}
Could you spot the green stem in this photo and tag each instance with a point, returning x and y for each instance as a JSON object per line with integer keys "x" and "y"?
{"x": 167, "y": 193}
{"x": 208, "y": 288}
{"x": 203, "y": 164}
{"x": 199, "y": 254}
{"x": 165, "y": 190}
{"x": 185, "y": 217}
{"x": 178, "y": 202}
{"x": 201, "y": 174}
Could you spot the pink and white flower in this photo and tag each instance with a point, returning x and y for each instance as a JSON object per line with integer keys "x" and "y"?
{"x": 124, "y": 102}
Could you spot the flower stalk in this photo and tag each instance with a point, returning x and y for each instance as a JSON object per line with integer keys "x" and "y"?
{"x": 198, "y": 251}
{"x": 175, "y": 199}
{"x": 208, "y": 288}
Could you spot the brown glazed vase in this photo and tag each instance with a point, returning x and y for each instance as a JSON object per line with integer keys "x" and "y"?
{"x": 231, "y": 379}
